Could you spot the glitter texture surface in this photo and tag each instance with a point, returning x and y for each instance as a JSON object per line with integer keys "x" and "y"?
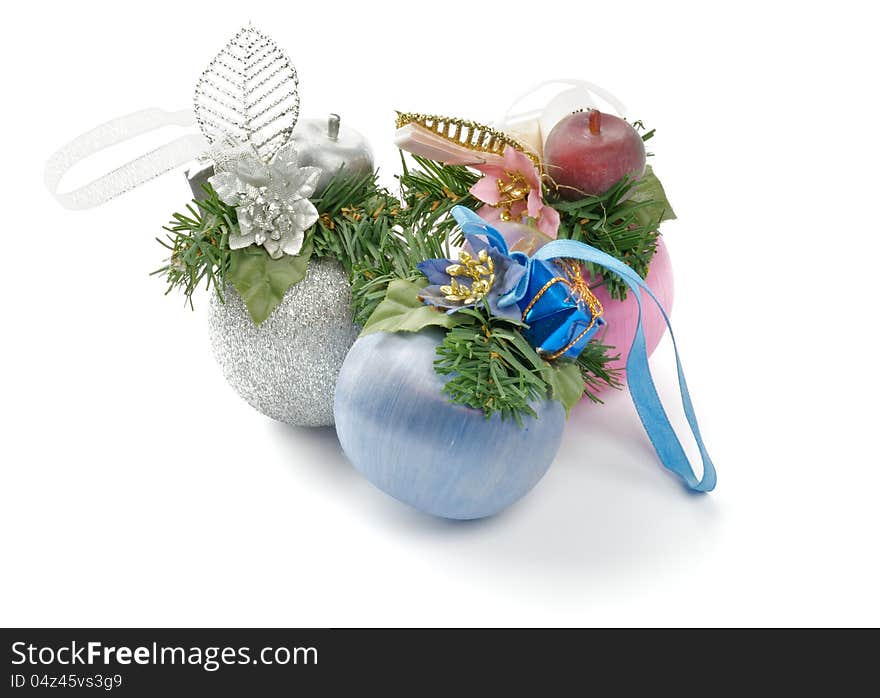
{"x": 287, "y": 366}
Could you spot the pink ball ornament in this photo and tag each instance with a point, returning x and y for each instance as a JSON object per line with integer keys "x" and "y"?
{"x": 622, "y": 316}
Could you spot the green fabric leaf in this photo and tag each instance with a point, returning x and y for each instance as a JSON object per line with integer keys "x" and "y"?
{"x": 262, "y": 281}
{"x": 566, "y": 383}
{"x": 402, "y": 311}
{"x": 648, "y": 201}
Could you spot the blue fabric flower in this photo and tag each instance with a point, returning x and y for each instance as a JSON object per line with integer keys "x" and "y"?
{"x": 550, "y": 295}
{"x": 484, "y": 271}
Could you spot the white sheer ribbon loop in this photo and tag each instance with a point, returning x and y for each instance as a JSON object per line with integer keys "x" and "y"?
{"x": 583, "y": 85}
{"x": 533, "y": 127}
{"x": 132, "y": 174}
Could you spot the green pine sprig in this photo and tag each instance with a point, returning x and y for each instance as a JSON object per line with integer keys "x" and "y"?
{"x": 397, "y": 259}
{"x": 199, "y": 244}
{"x": 356, "y": 217}
{"x": 597, "y": 374}
{"x": 623, "y": 222}
{"x": 379, "y": 238}
{"x": 374, "y": 237}
{"x": 431, "y": 189}
{"x": 491, "y": 366}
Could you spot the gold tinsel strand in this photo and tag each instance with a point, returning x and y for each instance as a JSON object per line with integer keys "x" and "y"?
{"x": 466, "y": 133}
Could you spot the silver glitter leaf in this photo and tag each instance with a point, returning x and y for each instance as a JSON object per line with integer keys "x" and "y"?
{"x": 248, "y": 94}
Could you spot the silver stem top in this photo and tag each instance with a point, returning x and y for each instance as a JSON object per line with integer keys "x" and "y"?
{"x": 333, "y": 127}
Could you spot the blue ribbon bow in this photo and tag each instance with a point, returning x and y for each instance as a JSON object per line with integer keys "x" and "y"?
{"x": 639, "y": 380}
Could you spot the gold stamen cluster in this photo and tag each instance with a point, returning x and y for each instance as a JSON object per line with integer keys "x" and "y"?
{"x": 479, "y": 270}
{"x": 468, "y": 134}
{"x": 513, "y": 189}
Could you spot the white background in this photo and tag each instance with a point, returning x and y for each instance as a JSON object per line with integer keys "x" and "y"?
{"x": 137, "y": 489}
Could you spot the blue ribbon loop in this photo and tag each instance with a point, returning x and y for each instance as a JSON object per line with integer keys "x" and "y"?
{"x": 639, "y": 379}
{"x": 641, "y": 384}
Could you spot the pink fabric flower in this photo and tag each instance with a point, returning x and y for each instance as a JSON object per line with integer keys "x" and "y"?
{"x": 512, "y": 190}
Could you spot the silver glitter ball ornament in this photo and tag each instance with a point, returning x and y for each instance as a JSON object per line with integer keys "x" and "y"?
{"x": 287, "y": 366}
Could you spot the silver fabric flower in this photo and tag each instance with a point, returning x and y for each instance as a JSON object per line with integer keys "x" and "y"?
{"x": 272, "y": 201}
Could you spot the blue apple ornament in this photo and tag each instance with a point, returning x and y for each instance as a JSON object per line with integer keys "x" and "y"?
{"x": 400, "y": 430}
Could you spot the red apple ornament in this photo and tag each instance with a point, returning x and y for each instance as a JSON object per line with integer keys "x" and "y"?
{"x": 588, "y": 152}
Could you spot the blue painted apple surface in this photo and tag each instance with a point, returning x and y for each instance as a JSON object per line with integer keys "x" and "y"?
{"x": 399, "y": 430}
